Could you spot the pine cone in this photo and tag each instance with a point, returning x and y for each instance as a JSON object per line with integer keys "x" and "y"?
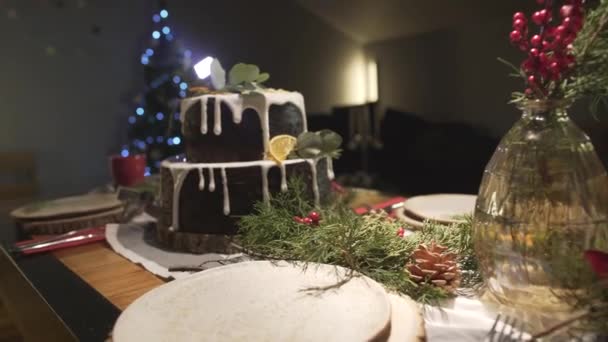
{"x": 432, "y": 264}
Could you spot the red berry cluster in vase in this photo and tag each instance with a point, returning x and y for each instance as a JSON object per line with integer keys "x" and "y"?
{"x": 550, "y": 57}
{"x": 312, "y": 219}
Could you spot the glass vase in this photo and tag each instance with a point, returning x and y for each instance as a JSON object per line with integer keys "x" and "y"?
{"x": 542, "y": 202}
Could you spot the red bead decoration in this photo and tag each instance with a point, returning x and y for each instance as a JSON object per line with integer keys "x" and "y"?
{"x": 536, "y": 40}
{"x": 566, "y": 11}
{"x": 314, "y": 216}
{"x": 519, "y": 24}
{"x": 538, "y": 18}
{"x": 307, "y": 221}
{"x": 519, "y": 15}
{"x": 534, "y": 52}
{"x": 515, "y": 36}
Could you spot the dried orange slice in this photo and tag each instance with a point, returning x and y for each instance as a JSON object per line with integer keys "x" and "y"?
{"x": 280, "y": 146}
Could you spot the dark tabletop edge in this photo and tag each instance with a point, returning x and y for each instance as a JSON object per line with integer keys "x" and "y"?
{"x": 88, "y": 314}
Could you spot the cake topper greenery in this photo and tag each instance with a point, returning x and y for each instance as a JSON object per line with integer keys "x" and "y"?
{"x": 242, "y": 78}
{"x": 566, "y": 52}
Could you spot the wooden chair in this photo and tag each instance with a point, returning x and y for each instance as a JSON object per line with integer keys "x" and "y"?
{"x": 18, "y": 180}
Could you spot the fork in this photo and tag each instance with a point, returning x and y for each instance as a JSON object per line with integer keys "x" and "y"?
{"x": 511, "y": 330}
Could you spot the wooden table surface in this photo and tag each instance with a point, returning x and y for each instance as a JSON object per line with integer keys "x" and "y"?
{"x": 115, "y": 277}
{"x": 121, "y": 281}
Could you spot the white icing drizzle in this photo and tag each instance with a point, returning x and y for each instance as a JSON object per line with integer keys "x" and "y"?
{"x": 178, "y": 180}
{"x": 315, "y": 185}
{"x": 217, "y": 119}
{"x": 226, "y": 194}
{"x": 211, "y": 180}
{"x": 185, "y": 104}
{"x": 283, "y": 177}
{"x": 203, "y": 115}
{"x": 201, "y": 179}
{"x": 265, "y": 192}
{"x": 330, "y": 168}
{"x": 259, "y": 101}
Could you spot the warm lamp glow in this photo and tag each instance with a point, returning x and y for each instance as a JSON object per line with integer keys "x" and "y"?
{"x": 203, "y": 68}
{"x": 372, "y": 81}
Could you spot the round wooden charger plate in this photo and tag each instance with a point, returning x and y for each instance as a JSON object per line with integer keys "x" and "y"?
{"x": 67, "y": 206}
{"x": 64, "y": 225}
{"x": 269, "y": 301}
{"x": 443, "y": 208}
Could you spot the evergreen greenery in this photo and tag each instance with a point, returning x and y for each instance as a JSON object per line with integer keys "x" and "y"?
{"x": 366, "y": 244}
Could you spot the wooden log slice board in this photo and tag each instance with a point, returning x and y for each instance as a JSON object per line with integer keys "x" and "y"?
{"x": 69, "y": 213}
{"x": 266, "y": 301}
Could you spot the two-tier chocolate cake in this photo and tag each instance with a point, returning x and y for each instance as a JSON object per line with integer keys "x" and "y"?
{"x": 225, "y": 170}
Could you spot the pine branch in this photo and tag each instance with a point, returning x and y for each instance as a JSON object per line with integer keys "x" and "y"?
{"x": 367, "y": 244}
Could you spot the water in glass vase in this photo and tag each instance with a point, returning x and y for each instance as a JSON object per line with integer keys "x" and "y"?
{"x": 543, "y": 201}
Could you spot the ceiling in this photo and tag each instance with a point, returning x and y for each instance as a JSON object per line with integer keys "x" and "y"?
{"x": 373, "y": 20}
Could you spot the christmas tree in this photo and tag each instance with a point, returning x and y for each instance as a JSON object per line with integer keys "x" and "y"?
{"x": 154, "y": 126}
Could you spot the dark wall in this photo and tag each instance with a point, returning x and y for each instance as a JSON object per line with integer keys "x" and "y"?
{"x": 65, "y": 92}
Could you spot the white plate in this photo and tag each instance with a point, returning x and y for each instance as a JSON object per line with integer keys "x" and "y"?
{"x": 441, "y": 207}
{"x": 411, "y": 222}
{"x": 258, "y": 301}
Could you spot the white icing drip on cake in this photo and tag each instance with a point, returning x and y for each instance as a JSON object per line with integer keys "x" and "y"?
{"x": 178, "y": 180}
{"x": 179, "y": 171}
{"x": 238, "y": 103}
{"x": 203, "y": 116}
{"x": 265, "y": 190}
{"x": 283, "y": 177}
{"x": 201, "y": 179}
{"x": 211, "y": 180}
{"x": 315, "y": 184}
{"x": 217, "y": 119}
{"x": 226, "y": 194}
{"x": 330, "y": 168}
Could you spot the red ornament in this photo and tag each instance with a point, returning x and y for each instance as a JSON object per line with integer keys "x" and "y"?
{"x": 599, "y": 263}
{"x": 298, "y": 219}
{"x": 531, "y": 80}
{"x": 307, "y": 221}
{"x": 529, "y": 91}
{"x": 314, "y": 216}
{"x": 400, "y": 232}
{"x": 519, "y": 24}
{"x": 515, "y": 36}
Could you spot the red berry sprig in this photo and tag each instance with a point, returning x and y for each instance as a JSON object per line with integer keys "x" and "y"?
{"x": 400, "y": 232}
{"x": 549, "y": 51}
{"x": 312, "y": 219}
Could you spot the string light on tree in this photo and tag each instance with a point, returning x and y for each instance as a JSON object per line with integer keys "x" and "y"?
{"x": 153, "y": 128}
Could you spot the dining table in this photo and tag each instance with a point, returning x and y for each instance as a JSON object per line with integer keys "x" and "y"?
{"x": 77, "y": 293}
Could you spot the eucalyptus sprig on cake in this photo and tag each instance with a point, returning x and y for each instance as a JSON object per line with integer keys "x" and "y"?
{"x": 242, "y": 78}
{"x": 369, "y": 244}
